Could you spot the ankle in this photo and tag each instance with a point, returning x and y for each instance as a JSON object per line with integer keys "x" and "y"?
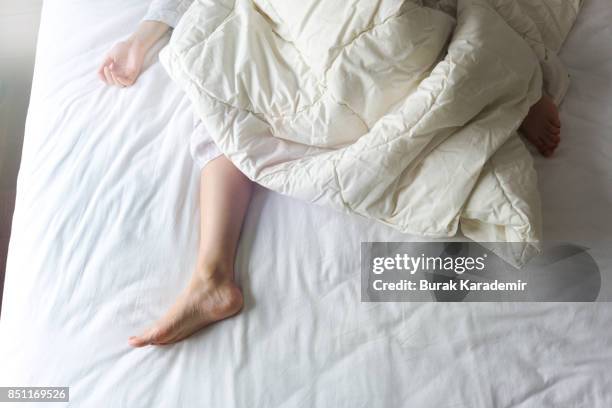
{"x": 215, "y": 271}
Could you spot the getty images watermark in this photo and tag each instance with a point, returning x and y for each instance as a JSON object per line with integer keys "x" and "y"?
{"x": 476, "y": 272}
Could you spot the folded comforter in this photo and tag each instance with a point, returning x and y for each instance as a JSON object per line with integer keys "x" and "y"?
{"x": 405, "y": 112}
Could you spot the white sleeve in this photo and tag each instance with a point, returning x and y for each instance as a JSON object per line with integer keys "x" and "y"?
{"x": 167, "y": 11}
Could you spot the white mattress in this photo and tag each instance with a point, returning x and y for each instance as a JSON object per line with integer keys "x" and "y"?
{"x": 104, "y": 238}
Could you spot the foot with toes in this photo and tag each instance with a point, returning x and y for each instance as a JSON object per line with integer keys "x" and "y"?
{"x": 209, "y": 297}
{"x": 542, "y": 126}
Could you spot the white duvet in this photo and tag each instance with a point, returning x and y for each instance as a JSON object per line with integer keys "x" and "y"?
{"x": 402, "y": 111}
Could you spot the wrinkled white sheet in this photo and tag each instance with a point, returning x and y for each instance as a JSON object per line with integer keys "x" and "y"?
{"x": 104, "y": 236}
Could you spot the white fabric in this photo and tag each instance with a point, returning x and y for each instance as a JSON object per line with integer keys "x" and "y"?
{"x": 358, "y": 113}
{"x": 203, "y": 147}
{"x": 167, "y": 11}
{"x": 105, "y": 233}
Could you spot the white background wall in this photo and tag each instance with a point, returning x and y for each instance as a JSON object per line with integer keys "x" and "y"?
{"x": 18, "y": 30}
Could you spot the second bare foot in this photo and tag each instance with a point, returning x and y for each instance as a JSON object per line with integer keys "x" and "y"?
{"x": 542, "y": 126}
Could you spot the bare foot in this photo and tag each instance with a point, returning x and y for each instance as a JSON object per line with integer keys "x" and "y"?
{"x": 542, "y": 126}
{"x": 205, "y": 300}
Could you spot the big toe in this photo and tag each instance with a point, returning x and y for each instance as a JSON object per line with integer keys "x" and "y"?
{"x": 139, "y": 341}
{"x": 543, "y": 146}
{"x": 546, "y": 151}
{"x": 154, "y": 335}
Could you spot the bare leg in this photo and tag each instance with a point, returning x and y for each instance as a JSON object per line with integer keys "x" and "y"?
{"x": 212, "y": 294}
{"x": 542, "y": 126}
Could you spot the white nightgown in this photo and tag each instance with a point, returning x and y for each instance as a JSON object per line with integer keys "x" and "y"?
{"x": 203, "y": 148}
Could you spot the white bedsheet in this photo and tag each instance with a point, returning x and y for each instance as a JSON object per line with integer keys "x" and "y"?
{"x": 104, "y": 238}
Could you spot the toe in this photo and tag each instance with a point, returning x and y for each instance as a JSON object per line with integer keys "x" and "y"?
{"x": 543, "y": 146}
{"x": 556, "y": 121}
{"x": 554, "y": 139}
{"x": 538, "y": 142}
{"x": 137, "y": 341}
{"x": 555, "y": 144}
{"x": 547, "y": 151}
{"x": 548, "y": 142}
{"x": 150, "y": 336}
{"x": 553, "y": 130}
